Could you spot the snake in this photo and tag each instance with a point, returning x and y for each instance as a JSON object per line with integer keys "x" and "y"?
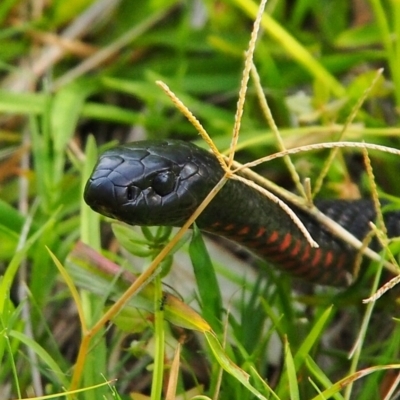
{"x": 162, "y": 182}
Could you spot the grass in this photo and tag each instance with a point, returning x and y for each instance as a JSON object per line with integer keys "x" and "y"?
{"x": 290, "y": 339}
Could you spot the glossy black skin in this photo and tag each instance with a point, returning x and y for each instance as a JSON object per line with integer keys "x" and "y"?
{"x": 151, "y": 182}
{"x": 162, "y": 183}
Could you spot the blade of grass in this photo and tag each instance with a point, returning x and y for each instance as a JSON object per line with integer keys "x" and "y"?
{"x": 356, "y": 351}
{"x": 380, "y": 11}
{"x": 349, "y": 120}
{"x": 245, "y": 79}
{"x": 311, "y": 338}
{"x": 174, "y": 375}
{"x": 90, "y": 221}
{"x": 229, "y": 366}
{"x": 159, "y": 335}
{"x": 291, "y": 373}
{"x": 66, "y": 108}
{"x": 319, "y": 374}
{"x": 12, "y": 268}
{"x": 293, "y": 47}
{"x": 43, "y": 354}
{"x": 350, "y": 379}
{"x": 207, "y": 284}
{"x": 303, "y": 352}
{"x": 278, "y": 138}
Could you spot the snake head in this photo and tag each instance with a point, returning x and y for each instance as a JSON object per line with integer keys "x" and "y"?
{"x": 150, "y": 182}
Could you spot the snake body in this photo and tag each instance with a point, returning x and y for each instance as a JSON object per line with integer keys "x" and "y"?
{"x": 161, "y": 182}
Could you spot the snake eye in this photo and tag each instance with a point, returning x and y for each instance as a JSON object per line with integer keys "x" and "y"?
{"x": 164, "y": 183}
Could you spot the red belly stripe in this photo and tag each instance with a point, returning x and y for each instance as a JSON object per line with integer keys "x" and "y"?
{"x": 244, "y": 231}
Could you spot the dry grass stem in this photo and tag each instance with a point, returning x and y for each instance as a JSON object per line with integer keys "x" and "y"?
{"x": 382, "y": 290}
{"x": 319, "y": 146}
{"x": 194, "y": 121}
{"x": 292, "y": 215}
{"x": 275, "y": 131}
{"x": 245, "y": 79}
{"x": 374, "y": 191}
{"x": 333, "y": 153}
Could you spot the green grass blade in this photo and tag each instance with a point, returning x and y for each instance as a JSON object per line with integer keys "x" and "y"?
{"x": 321, "y": 377}
{"x": 291, "y": 373}
{"x": 229, "y": 366}
{"x": 14, "y": 264}
{"x": 90, "y": 221}
{"x": 207, "y": 284}
{"x": 311, "y": 338}
{"x": 44, "y": 356}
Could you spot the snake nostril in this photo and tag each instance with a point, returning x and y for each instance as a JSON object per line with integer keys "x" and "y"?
{"x": 130, "y": 192}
